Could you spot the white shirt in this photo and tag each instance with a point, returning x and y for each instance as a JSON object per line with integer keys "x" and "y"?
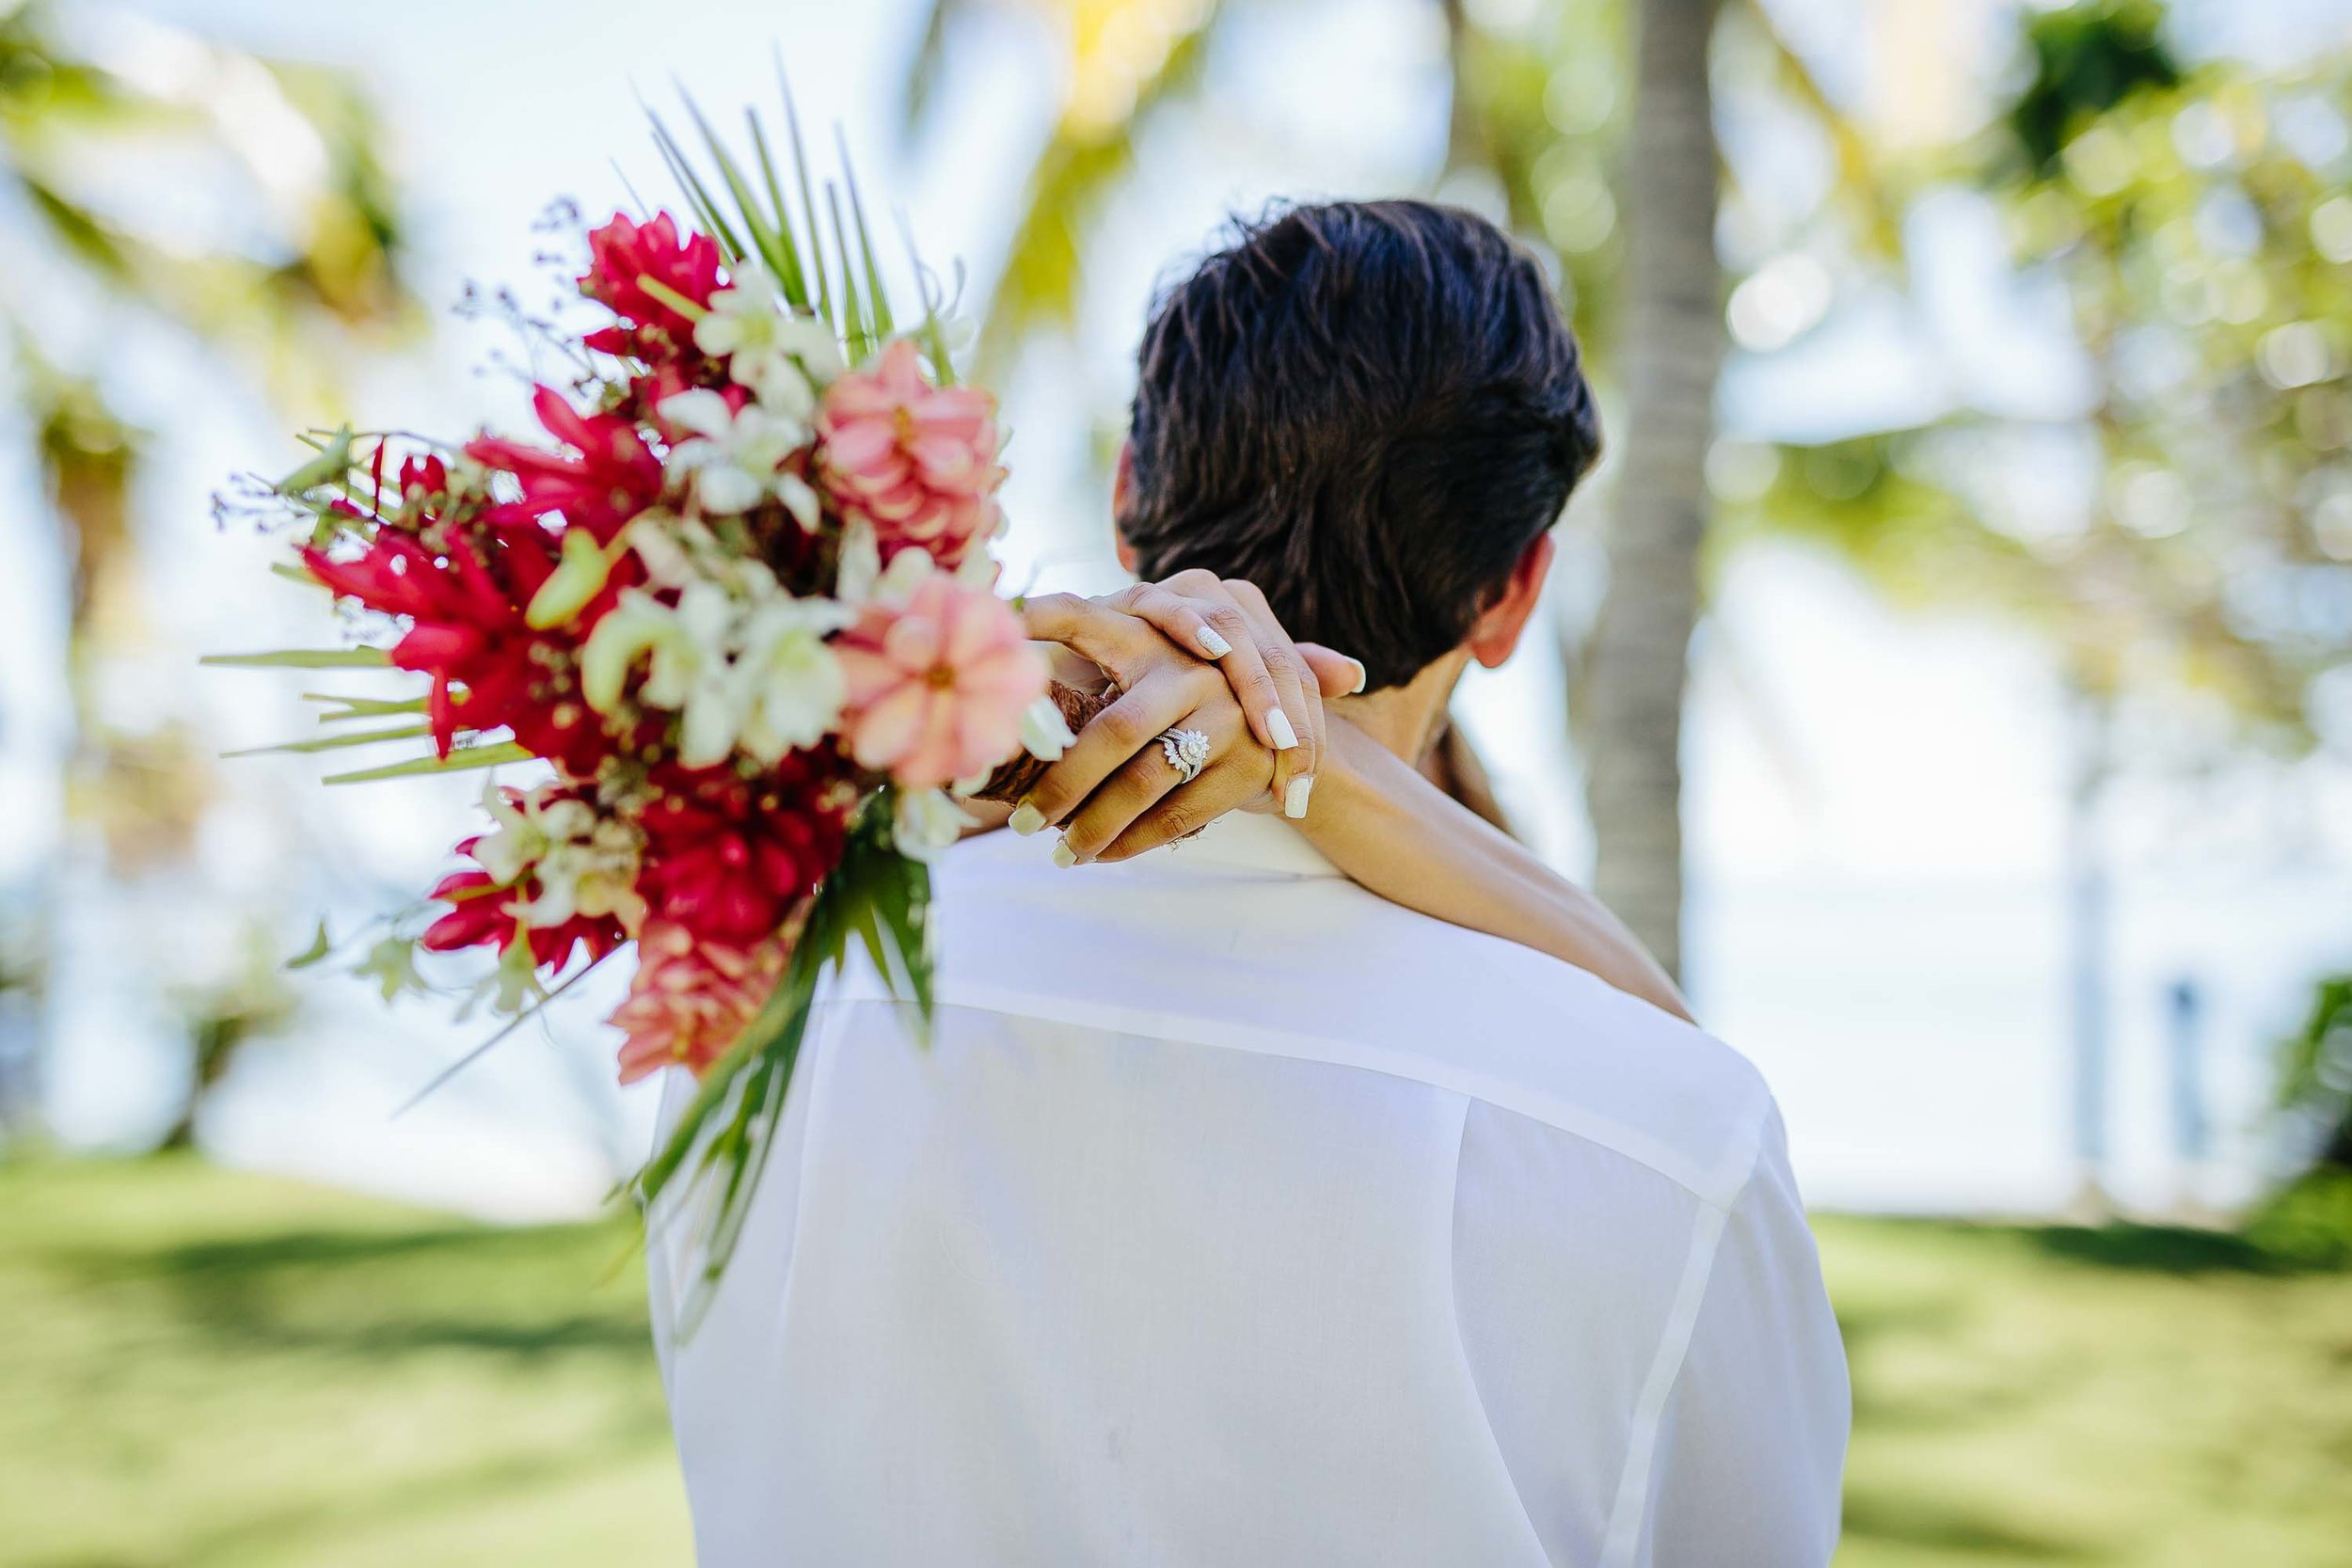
{"x": 1236, "y": 1217}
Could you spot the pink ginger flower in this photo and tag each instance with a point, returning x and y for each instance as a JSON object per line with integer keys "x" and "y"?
{"x": 690, "y": 1000}
{"x": 937, "y": 683}
{"x": 918, "y": 461}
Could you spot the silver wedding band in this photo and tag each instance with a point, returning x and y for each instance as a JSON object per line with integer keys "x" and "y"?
{"x": 1187, "y": 751}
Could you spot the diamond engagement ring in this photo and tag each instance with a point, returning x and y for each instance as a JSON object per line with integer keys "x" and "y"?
{"x": 1187, "y": 751}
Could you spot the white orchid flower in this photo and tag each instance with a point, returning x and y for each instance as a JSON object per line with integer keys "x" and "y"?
{"x": 683, "y": 640}
{"x": 800, "y": 499}
{"x": 1045, "y": 735}
{"x": 860, "y": 567}
{"x": 744, "y": 665}
{"x": 744, "y": 315}
{"x": 585, "y": 864}
{"x": 515, "y": 840}
{"x": 665, "y": 542}
{"x": 711, "y": 716}
{"x": 927, "y": 821}
{"x": 777, "y": 381}
{"x": 862, "y": 578}
{"x": 751, "y": 327}
{"x": 735, "y": 456}
{"x": 592, "y": 874}
{"x": 794, "y": 684}
{"x": 978, "y": 570}
{"x": 808, "y": 339}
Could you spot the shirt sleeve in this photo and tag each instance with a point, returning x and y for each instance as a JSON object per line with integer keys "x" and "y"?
{"x": 1751, "y": 1442}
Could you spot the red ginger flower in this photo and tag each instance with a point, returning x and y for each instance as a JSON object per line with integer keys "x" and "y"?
{"x": 464, "y": 627}
{"x": 613, "y": 477}
{"x": 424, "y": 472}
{"x": 727, "y": 858}
{"x": 625, "y": 252}
{"x": 557, "y": 867}
{"x": 422, "y": 479}
{"x": 917, "y": 461}
{"x": 467, "y": 630}
{"x": 691, "y": 998}
{"x": 484, "y": 914}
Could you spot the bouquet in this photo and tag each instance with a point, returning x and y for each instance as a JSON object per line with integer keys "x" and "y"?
{"x": 735, "y": 610}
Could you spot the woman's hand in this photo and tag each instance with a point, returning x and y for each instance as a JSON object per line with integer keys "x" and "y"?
{"x": 1260, "y": 703}
{"x": 1387, "y": 827}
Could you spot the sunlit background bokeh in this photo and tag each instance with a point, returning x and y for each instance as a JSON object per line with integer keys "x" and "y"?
{"x": 2015, "y": 814}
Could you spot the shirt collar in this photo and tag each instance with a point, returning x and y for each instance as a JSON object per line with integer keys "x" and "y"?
{"x": 1257, "y": 842}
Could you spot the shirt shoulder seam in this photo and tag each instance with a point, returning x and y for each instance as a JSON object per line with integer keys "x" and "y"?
{"x": 1631, "y": 1512}
{"x": 1713, "y": 1186}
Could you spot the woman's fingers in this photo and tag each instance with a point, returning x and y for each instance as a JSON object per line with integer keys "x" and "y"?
{"x": 1340, "y": 675}
{"x": 1230, "y": 784}
{"x": 1150, "y": 786}
{"x": 1157, "y": 704}
{"x": 1110, "y": 638}
{"x": 1208, "y": 627}
{"x": 1112, "y": 792}
{"x": 1219, "y": 628}
{"x": 1302, "y": 693}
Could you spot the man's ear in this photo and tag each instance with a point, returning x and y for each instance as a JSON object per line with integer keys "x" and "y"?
{"x": 1123, "y": 492}
{"x": 1496, "y": 633}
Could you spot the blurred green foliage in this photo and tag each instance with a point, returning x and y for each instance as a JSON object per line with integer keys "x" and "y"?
{"x": 2182, "y": 534}
{"x": 208, "y": 1370}
{"x": 214, "y": 1370}
{"x": 2087, "y": 59}
{"x": 302, "y": 254}
{"x": 2124, "y": 1395}
{"x": 2312, "y": 1219}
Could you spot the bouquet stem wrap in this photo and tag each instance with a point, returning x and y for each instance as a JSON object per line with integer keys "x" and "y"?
{"x": 1013, "y": 780}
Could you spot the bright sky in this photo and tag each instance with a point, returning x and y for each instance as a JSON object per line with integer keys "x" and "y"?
{"x": 1876, "y": 804}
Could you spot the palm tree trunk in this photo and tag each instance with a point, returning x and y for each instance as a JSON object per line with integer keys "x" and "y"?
{"x": 1639, "y": 659}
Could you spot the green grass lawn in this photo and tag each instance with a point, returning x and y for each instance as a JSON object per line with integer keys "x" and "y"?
{"x": 202, "y": 1369}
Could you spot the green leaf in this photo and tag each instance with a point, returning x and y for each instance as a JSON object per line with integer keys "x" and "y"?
{"x": 296, "y": 574}
{"x": 794, "y": 285}
{"x": 457, "y": 761}
{"x": 332, "y": 466}
{"x": 696, "y": 196}
{"x": 504, "y": 1030}
{"x": 391, "y": 963}
{"x": 932, "y": 331}
{"x": 887, "y": 905}
{"x": 808, "y": 199}
{"x": 764, "y": 236}
{"x": 333, "y": 742}
{"x": 320, "y": 946}
{"x": 856, "y": 328}
{"x": 302, "y": 658}
{"x": 363, "y": 707}
{"x": 877, "y": 297}
{"x": 921, "y": 81}
{"x": 672, "y": 298}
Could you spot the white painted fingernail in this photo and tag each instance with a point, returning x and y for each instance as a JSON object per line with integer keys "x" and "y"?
{"x": 1279, "y": 723}
{"x": 1214, "y": 646}
{"x": 1295, "y": 798}
{"x": 1363, "y": 676}
{"x": 1064, "y": 856}
{"x": 1025, "y": 819}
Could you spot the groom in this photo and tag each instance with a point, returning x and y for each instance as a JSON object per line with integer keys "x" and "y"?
{"x": 1236, "y": 1215}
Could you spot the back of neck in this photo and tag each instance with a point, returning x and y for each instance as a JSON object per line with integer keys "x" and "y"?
{"x": 1406, "y": 720}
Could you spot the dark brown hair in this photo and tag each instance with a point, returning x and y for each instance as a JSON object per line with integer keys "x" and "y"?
{"x": 1368, "y": 409}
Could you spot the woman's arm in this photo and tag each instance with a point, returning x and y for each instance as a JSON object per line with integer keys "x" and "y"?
{"x": 1372, "y": 815}
{"x": 1390, "y": 830}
